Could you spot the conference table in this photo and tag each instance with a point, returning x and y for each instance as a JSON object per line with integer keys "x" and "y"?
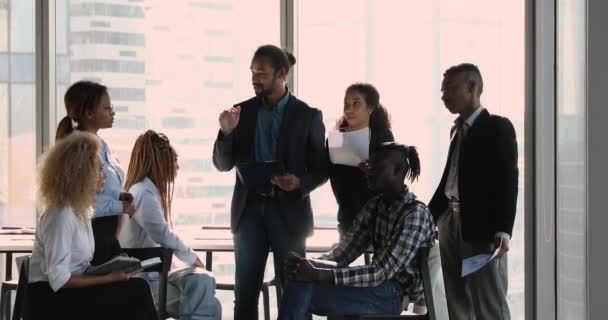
{"x": 208, "y": 239}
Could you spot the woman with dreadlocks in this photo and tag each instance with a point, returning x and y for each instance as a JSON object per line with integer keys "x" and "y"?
{"x": 150, "y": 178}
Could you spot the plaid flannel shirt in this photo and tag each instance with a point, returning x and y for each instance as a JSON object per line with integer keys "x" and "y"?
{"x": 396, "y": 231}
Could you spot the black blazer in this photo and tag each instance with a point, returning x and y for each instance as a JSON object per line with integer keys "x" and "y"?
{"x": 300, "y": 149}
{"x": 487, "y": 179}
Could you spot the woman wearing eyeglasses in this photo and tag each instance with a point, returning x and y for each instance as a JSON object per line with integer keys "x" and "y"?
{"x": 88, "y": 108}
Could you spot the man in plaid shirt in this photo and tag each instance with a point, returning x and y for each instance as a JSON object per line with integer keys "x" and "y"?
{"x": 394, "y": 223}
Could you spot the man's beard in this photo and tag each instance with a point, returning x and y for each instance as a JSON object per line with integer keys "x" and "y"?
{"x": 267, "y": 91}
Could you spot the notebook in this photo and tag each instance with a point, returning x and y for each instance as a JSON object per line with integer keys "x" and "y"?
{"x": 122, "y": 263}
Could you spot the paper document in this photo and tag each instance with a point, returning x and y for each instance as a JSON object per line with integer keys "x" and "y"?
{"x": 473, "y": 264}
{"x": 323, "y": 263}
{"x": 349, "y": 148}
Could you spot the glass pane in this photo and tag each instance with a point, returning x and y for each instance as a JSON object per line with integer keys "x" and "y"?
{"x": 171, "y": 66}
{"x": 17, "y": 113}
{"x": 403, "y": 47}
{"x": 571, "y": 151}
{"x": 171, "y": 72}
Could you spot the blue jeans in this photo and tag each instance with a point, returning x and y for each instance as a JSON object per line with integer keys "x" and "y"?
{"x": 190, "y": 294}
{"x": 262, "y": 227}
{"x": 303, "y": 298}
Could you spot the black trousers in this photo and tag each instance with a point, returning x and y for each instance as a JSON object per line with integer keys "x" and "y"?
{"x": 130, "y": 299}
{"x": 106, "y": 244}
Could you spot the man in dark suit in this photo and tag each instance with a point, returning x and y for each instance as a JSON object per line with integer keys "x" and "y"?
{"x": 275, "y": 214}
{"x": 475, "y": 203}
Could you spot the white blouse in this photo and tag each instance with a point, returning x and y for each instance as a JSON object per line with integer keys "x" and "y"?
{"x": 63, "y": 247}
{"x": 148, "y": 227}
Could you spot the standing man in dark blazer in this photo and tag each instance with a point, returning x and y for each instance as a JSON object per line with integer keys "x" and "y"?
{"x": 272, "y": 126}
{"x": 475, "y": 202}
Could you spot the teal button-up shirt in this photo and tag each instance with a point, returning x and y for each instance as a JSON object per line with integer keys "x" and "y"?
{"x": 268, "y": 128}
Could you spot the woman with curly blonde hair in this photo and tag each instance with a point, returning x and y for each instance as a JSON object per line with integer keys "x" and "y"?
{"x": 69, "y": 176}
{"x": 152, "y": 172}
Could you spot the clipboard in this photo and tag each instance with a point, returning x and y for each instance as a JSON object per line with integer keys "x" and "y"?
{"x": 258, "y": 174}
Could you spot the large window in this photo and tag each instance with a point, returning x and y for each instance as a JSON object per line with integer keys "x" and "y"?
{"x": 571, "y": 176}
{"x": 403, "y": 47}
{"x": 169, "y": 72}
{"x": 172, "y": 66}
{"x": 17, "y": 112}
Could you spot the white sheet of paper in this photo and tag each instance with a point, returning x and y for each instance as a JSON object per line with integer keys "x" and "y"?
{"x": 348, "y": 148}
{"x": 474, "y": 263}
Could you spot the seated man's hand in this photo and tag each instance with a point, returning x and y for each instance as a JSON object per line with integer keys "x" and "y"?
{"x": 305, "y": 272}
{"x": 299, "y": 269}
{"x": 292, "y": 264}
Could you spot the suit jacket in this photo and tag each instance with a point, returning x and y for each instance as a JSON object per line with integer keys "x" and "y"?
{"x": 300, "y": 150}
{"x": 487, "y": 179}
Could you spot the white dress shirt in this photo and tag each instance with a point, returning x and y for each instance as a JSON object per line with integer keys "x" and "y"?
{"x": 63, "y": 247}
{"x": 148, "y": 227}
{"x": 462, "y": 128}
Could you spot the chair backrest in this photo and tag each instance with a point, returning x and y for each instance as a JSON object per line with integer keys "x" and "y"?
{"x": 24, "y": 272}
{"x": 422, "y": 258}
{"x": 165, "y": 255}
{"x": 423, "y": 263}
